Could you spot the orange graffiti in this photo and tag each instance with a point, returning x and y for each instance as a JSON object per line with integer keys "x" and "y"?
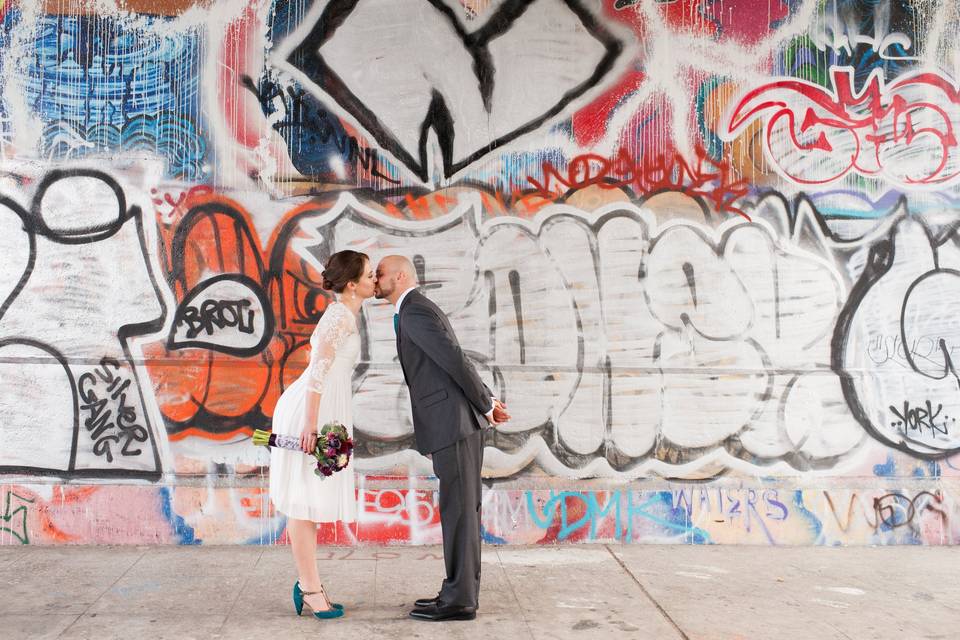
{"x": 221, "y": 396}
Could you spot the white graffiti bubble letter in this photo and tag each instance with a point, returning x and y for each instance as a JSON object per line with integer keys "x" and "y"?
{"x": 68, "y": 330}
{"x": 907, "y": 296}
{"x": 400, "y": 68}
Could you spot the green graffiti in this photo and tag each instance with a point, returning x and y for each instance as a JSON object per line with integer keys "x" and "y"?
{"x": 803, "y": 59}
{"x": 18, "y": 518}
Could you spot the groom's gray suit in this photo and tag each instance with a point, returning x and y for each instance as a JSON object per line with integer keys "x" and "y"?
{"x": 449, "y": 402}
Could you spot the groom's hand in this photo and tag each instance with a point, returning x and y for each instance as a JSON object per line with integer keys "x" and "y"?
{"x": 499, "y": 413}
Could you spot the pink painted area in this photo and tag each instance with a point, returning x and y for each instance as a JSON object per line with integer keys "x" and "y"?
{"x": 78, "y": 514}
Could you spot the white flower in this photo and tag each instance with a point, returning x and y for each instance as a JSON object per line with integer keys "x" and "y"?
{"x": 342, "y": 460}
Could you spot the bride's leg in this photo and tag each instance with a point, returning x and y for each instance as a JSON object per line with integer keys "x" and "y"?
{"x": 303, "y": 541}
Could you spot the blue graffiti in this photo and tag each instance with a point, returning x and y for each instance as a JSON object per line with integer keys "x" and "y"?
{"x": 181, "y": 529}
{"x": 885, "y": 470}
{"x": 489, "y": 538}
{"x": 657, "y": 509}
{"x": 669, "y": 517}
{"x": 813, "y": 522}
{"x": 104, "y": 84}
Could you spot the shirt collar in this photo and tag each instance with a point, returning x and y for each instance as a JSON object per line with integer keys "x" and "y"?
{"x": 402, "y": 296}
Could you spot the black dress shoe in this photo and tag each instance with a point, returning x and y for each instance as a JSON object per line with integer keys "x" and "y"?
{"x": 426, "y": 602}
{"x": 440, "y": 611}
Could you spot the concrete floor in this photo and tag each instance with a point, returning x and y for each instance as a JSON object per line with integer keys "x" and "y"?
{"x": 543, "y": 593}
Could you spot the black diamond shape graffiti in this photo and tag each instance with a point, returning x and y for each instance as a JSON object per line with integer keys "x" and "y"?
{"x": 400, "y": 68}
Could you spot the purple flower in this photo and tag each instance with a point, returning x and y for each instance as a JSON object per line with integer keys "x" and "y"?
{"x": 334, "y": 443}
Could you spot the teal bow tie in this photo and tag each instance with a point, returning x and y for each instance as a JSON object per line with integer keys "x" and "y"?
{"x": 396, "y": 323}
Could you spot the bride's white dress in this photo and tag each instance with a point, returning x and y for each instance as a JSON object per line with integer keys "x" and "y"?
{"x": 294, "y": 488}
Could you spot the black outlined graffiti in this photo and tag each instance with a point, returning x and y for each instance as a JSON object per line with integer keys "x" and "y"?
{"x": 923, "y": 306}
{"x": 597, "y": 337}
{"x": 463, "y": 84}
{"x": 909, "y": 288}
{"x": 30, "y": 368}
{"x": 87, "y": 291}
{"x": 211, "y": 256}
{"x": 229, "y": 313}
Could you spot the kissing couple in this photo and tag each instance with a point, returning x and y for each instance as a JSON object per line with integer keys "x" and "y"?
{"x": 451, "y": 407}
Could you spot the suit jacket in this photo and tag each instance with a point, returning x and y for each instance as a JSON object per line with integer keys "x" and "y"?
{"x": 447, "y": 396}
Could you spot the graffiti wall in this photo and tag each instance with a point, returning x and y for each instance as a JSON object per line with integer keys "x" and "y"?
{"x": 708, "y": 254}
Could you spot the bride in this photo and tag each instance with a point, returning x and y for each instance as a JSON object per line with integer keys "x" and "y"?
{"x": 320, "y": 395}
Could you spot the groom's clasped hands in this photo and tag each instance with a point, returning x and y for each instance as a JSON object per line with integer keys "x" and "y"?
{"x": 499, "y": 414}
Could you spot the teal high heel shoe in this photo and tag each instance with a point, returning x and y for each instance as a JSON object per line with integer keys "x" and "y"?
{"x": 298, "y": 595}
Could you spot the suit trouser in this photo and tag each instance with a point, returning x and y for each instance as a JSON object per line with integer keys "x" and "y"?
{"x": 458, "y": 469}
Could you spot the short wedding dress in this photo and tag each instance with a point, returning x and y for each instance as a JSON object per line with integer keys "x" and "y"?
{"x": 294, "y": 488}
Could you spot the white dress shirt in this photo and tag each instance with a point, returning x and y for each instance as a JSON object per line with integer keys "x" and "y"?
{"x": 402, "y": 296}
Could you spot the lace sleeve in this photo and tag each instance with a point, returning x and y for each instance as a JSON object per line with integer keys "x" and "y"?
{"x": 335, "y": 326}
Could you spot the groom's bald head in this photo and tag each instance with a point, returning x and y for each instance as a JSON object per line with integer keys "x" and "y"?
{"x": 401, "y": 265}
{"x": 395, "y": 274}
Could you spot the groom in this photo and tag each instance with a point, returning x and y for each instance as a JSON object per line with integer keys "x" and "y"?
{"x": 450, "y": 407}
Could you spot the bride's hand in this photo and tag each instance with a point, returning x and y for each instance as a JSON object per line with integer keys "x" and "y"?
{"x": 308, "y": 440}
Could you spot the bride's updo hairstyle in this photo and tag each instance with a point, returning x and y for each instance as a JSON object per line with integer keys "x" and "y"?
{"x": 343, "y": 267}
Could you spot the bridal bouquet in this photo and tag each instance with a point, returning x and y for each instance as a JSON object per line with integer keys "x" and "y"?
{"x": 334, "y": 446}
